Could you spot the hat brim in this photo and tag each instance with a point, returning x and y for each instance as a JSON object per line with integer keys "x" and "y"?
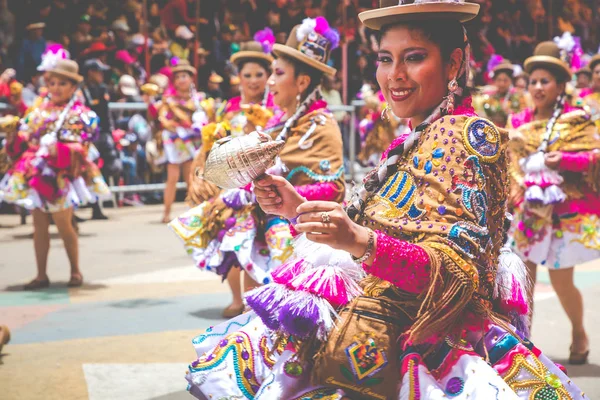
{"x": 549, "y": 62}
{"x": 69, "y": 75}
{"x": 376, "y": 19}
{"x": 186, "y": 68}
{"x": 31, "y": 27}
{"x": 280, "y": 49}
{"x": 129, "y": 91}
{"x": 503, "y": 68}
{"x": 250, "y": 55}
{"x": 593, "y": 62}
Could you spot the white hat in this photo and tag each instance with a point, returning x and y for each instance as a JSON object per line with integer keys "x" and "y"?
{"x": 128, "y": 85}
{"x": 120, "y": 25}
{"x": 183, "y": 32}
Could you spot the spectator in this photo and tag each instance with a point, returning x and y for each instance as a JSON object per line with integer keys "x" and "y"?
{"x": 7, "y": 28}
{"x": 131, "y": 156}
{"x": 203, "y": 68}
{"x": 175, "y": 13}
{"x": 332, "y": 96}
{"x": 32, "y": 48}
{"x": 223, "y": 46}
{"x": 120, "y": 29}
{"x": 128, "y": 90}
{"x": 95, "y": 50}
{"x": 32, "y": 89}
{"x": 180, "y": 47}
{"x": 59, "y": 20}
{"x": 82, "y": 38}
{"x": 214, "y": 87}
{"x": 95, "y": 91}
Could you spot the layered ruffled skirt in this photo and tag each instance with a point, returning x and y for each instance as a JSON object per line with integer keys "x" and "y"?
{"x": 227, "y": 231}
{"x": 241, "y": 359}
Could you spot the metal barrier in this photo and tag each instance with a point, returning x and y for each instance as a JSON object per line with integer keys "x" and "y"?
{"x": 115, "y": 108}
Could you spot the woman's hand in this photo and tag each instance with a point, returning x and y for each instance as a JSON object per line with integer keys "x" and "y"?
{"x": 553, "y": 159}
{"x": 327, "y": 222}
{"x": 277, "y": 196}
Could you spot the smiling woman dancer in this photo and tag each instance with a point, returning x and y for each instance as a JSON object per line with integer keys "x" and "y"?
{"x": 52, "y": 174}
{"x": 555, "y": 186}
{"x": 238, "y": 116}
{"x": 428, "y": 227}
{"x": 230, "y": 231}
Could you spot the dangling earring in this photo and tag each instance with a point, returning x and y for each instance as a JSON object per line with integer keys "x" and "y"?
{"x": 452, "y": 89}
{"x": 385, "y": 113}
{"x": 298, "y": 101}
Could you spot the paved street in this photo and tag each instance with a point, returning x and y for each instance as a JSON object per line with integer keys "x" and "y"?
{"x": 126, "y": 333}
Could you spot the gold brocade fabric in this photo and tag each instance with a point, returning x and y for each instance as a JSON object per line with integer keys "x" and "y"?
{"x": 379, "y": 139}
{"x": 173, "y": 112}
{"x": 573, "y": 132}
{"x": 448, "y": 195}
{"x": 496, "y": 107}
{"x": 313, "y": 151}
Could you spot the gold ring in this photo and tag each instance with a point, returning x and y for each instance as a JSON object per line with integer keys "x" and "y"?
{"x": 325, "y": 218}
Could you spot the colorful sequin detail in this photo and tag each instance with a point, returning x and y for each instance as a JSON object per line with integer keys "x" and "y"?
{"x": 239, "y": 344}
{"x": 366, "y": 360}
{"x": 314, "y": 176}
{"x": 320, "y": 394}
{"x": 399, "y": 193}
{"x": 455, "y": 386}
{"x": 469, "y": 238}
{"x": 428, "y": 161}
{"x": 589, "y": 228}
{"x": 267, "y": 353}
{"x": 293, "y": 369}
{"x": 474, "y": 198}
{"x": 539, "y": 382}
{"x": 209, "y": 332}
{"x": 482, "y": 138}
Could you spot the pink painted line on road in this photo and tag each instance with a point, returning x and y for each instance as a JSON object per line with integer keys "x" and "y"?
{"x": 19, "y": 316}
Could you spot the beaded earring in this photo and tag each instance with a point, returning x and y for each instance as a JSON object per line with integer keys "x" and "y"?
{"x": 385, "y": 113}
{"x": 452, "y": 89}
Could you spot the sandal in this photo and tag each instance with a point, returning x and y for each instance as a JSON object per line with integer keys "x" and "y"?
{"x": 232, "y": 312}
{"x": 37, "y": 284}
{"x": 166, "y": 220}
{"x": 578, "y": 358}
{"x": 75, "y": 281}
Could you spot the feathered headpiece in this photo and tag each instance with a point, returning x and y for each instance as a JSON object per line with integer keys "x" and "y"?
{"x": 266, "y": 38}
{"x": 570, "y": 50}
{"x": 320, "y": 26}
{"x": 51, "y": 55}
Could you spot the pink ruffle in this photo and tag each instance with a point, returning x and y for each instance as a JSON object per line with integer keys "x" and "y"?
{"x": 576, "y": 162}
{"x": 324, "y": 191}
{"x": 403, "y": 264}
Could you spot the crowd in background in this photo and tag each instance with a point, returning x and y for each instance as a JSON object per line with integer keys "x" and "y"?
{"x": 107, "y": 39}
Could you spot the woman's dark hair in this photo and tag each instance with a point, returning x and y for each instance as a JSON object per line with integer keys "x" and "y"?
{"x": 263, "y": 63}
{"x": 301, "y": 68}
{"x": 448, "y": 35}
{"x": 157, "y": 62}
{"x": 505, "y": 72}
{"x": 557, "y": 73}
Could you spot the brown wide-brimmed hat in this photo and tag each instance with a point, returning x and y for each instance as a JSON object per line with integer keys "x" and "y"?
{"x": 250, "y": 51}
{"x": 593, "y": 62}
{"x": 504, "y": 66}
{"x": 584, "y": 70}
{"x": 183, "y": 66}
{"x": 66, "y": 68}
{"x": 313, "y": 51}
{"x": 547, "y": 55}
{"x": 394, "y": 11}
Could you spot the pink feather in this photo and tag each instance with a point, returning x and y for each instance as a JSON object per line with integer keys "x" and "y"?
{"x": 322, "y": 25}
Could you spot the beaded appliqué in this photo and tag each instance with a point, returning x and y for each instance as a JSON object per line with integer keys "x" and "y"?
{"x": 366, "y": 359}
{"x": 243, "y": 361}
{"x": 535, "y": 379}
{"x": 399, "y": 194}
{"x": 293, "y": 368}
{"x": 428, "y": 161}
{"x": 482, "y": 139}
{"x": 267, "y": 353}
{"x": 320, "y": 394}
{"x": 474, "y": 197}
{"x": 469, "y": 238}
{"x": 315, "y": 176}
{"x": 455, "y": 386}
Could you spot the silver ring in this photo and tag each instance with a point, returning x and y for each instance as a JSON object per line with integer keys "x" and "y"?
{"x": 325, "y": 218}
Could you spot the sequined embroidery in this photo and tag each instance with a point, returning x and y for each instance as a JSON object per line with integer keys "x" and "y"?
{"x": 399, "y": 194}
{"x": 320, "y": 394}
{"x": 210, "y": 331}
{"x": 314, "y": 176}
{"x": 469, "y": 238}
{"x": 455, "y": 386}
{"x": 428, "y": 161}
{"x": 366, "y": 359}
{"x": 534, "y": 378}
{"x": 588, "y": 226}
{"x": 293, "y": 368}
{"x": 482, "y": 139}
{"x": 239, "y": 344}
{"x": 474, "y": 198}
{"x": 467, "y": 268}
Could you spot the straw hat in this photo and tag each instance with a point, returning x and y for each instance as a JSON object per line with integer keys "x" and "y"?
{"x": 504, "y": 66}
{"x": 585, "y": 70}
{"x": 547, "y": 55}
{"x": 215, "y": 78}
{"x": 393, "y": 11}
{"x": 66, "y": 68}
{"x": 183, "y": 66}
{"x": 594, "y": 61}
{"x": 36, "y": 25}
{"x": 250, "y": 51}
{"x": 307, "y": 46}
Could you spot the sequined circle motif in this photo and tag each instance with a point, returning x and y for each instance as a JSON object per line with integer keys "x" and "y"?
{"x": 482, "y": 138}
{"x": 293, "y": 369}
{"x": 455, "y": 386}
